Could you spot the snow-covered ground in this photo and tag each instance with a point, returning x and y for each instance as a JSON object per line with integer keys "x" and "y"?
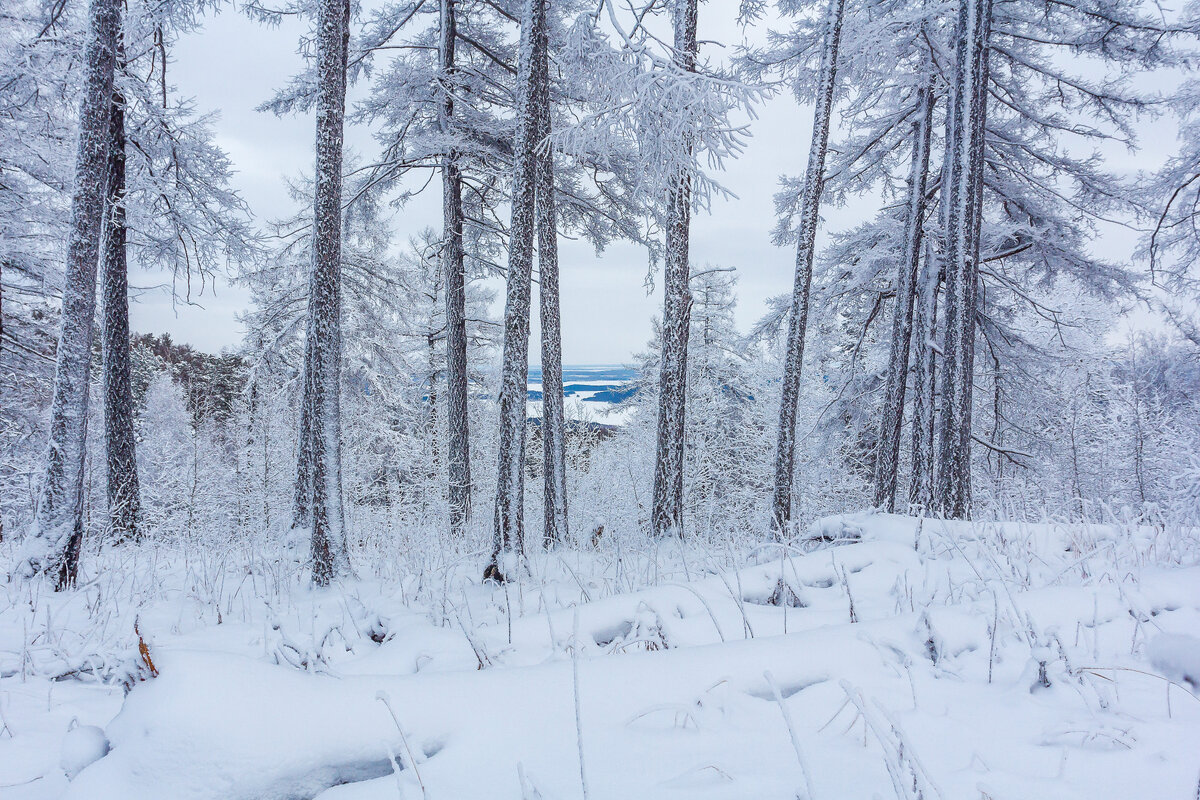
{"x": 579, "y": 409}
{"x": 881, "y": 657}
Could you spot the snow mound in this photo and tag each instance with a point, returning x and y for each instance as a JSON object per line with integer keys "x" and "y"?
{"x": 1176, "y": 656}
{"x": 82, "y": 746}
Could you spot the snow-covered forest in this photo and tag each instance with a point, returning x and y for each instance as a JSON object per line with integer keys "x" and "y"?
{"x": 923, "y": 524}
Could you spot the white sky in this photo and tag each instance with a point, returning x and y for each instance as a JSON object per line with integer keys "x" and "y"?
{"x": 234, "y": 64}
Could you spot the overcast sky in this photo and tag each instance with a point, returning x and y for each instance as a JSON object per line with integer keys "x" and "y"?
{"x": 233, "y": 64}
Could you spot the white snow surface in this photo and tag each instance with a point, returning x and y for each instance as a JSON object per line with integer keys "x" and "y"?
{"x": 911, "y": 658}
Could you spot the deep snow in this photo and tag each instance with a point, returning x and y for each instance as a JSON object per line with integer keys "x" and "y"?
{"x": 912, "y": 659}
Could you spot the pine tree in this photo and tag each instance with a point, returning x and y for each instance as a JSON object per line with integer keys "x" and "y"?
{"x": 124, "y": 501}
{"x": 54, "y": 541}
{"x": 454, "y": 265}
{"x": 554, "y": 427}
{"x": 666, "y": 517}
{"x": 809, "y": 217}
{"x": 437, "y": 104}
{"x": 888, "y": 451}
{"x": 962, "y": 177}
{"x": 508, "y": 532}
{"x": 920, "y": 494}
{"x": 322, "y": 366}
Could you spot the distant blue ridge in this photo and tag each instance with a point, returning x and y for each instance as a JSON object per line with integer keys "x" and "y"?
{"x": 602, "y": 394}
{"x": 594, "y": 373}
{"x": 598, "y": 380}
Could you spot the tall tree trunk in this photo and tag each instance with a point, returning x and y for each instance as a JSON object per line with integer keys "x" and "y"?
{"x": 453, "y": 263}
{"x": 322, "y": 368}
{"x": 124, "y": 501}
{"x": 887, "y": 456}
{"x": 810, "y": 208}
{"x": 963, "y": 177}
{"x": 431, "y": 421}
{"x": 666, "y": 516}
{"x": 56, "y": 536}
{"x": 920, "y": 494}
{"x": 302, "y": 496}
{"x": 554, "y": 426}
{"x": 510, "y": 482}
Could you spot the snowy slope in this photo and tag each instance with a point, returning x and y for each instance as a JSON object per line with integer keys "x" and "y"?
{"x": 910, "y": 659}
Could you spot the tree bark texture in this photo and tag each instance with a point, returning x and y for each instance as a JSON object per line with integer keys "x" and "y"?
{"x": 554, "y": 426}
{"x": 124, "y": 500}
{"x": 322, "y": 369}
{"x": 920, "y": 495}
{"x": 963, "y": 178}
{"x": 810, "y": 208}
{"x": 54, "y": 540}
{"x": 666, "y": 516}
{"x": 508, "y": 531}
{"x": 887, "y": 456}
{"x": 458, "y": 456}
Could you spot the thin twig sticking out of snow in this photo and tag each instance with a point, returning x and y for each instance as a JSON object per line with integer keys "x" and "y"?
{"x": 528, "y": 790}
{"x": 480, "y": 653}
{"x": 898, "y": 752}
{"x": 1098, "y": 672}
{"x": 787, "y": 720}
{"x": 578, "y": 716}
{"x": 382, "y": 697}
{"x": 993, "y": 632}
{"x": 704, "y": 603}
{"x": 747, "y": 630}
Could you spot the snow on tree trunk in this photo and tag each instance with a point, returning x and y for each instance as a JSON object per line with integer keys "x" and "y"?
{"x": 510, "y": 481}
{"x": 806, "y": 237}
{"x": 53, "y": 542}
{"x": 124, "y": 501}
{"x": 887, "y": 455}
{"x": 920, "y": 494}
{"x": 302, "y": 497}
{"x": 666, "y": 517}
{"x": 554, "y": 426}
{"x": 322, "y": 367}
{"x": 431, "y": 422}
{"x": 458, "y": 456}
{"x": 963, "y": 178}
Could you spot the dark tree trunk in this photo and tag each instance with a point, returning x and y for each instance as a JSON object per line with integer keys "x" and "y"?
{"x": 56, "y": 536}
{"x": 510, "y": 482}
{"x": 124, "y": 501}
{"x": 666, "y": 516}
{"x": 431, "y": 421}
{"x": 920, "y": 494}
{"x": 887, "y": 456}
{"x": 554, "y": 426}
{"x": 302, "y": 496}
{"x": 963, "y": 176}
{"x": 322, "y": 369}
{"x": 453, "y": 263}
{"x": 810, "y": 207}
